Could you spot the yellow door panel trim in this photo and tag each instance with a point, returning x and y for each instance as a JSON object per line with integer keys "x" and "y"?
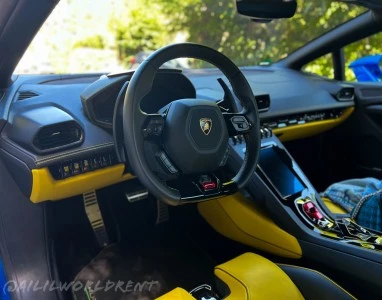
{"x": 176, "y": 294}
{"x": 241, "y": 220}
{"x": 45, "y": 187}
{"x": 251, "y": 276}
{"x": 295, "y": 132}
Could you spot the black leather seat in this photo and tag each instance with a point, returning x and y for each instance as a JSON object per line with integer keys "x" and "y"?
{"x": 315, "y": 285}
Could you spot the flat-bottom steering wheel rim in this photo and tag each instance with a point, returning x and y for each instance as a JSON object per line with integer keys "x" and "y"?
{"x": 133, "y": 117}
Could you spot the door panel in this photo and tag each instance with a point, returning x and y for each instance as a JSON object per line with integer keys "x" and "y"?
{"x": 357, "y": 145}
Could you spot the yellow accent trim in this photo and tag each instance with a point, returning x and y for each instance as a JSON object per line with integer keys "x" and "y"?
{"x": 329, "y": 234}
{"x": 251, "y": 276}
{"x": 326, "y": 277}
{"x": 334, "y": 208}
{"x": 176, "y": 294}
{"x": 241, "y": 220}
{"x": 45, "y": 187}
{"x": 295, "y": 132}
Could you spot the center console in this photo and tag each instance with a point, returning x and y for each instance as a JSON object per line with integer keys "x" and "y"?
{"x": 278, "y": 170}
{"x": 281, "y": 187}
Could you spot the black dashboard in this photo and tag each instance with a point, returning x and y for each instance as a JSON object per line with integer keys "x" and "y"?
{"x": 99, "y": 99}
{"x": 71, "y": 115}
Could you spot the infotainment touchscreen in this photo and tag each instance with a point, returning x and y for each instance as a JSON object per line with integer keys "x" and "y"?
{"x": 278, "y": 172}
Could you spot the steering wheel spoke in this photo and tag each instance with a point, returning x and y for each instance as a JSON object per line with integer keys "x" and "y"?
{"x": 205, "y": 186}
{"x": 237, "y": 123}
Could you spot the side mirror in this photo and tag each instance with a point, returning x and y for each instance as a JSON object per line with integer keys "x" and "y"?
{"x": 267, "y": 9}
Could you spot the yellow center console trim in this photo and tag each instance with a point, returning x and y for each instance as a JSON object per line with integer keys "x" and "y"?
{"x": 241, "y": 220}
{"x": 251, "y": 276}
{"x": 334, "y": 208}
{"x": 295, "y": 132}
{"x": 45, "y": 187}
{"x": 176, "y": 294}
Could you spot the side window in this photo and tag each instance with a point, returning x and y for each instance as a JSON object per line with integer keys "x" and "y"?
{"x": 322, "y": 66}
{"x": 363, "y": 60}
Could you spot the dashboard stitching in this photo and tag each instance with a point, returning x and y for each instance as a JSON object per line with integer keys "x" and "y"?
{"x": 81, "y": 151}
{"x": 46, "y": 160}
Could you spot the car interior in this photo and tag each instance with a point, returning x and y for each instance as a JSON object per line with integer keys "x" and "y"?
{"x": 187, "y": 184}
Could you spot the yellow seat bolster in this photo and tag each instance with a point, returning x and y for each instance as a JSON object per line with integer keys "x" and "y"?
{"x": 176, "y": 294}
{"x": 300, "y": 131}
{"x": 334, "y": 208}
{"x": 45, "y": 187}
{"x": 251, "y": 276}
{"x": 239, "y": 219}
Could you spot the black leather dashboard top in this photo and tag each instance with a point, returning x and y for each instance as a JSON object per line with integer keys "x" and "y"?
{"x": 290, "y": 92}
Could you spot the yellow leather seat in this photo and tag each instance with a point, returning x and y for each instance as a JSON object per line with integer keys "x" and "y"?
{"x": 251, "y": 276}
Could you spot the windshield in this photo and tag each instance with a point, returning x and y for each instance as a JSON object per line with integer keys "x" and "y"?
{"x": 114, "y": 35}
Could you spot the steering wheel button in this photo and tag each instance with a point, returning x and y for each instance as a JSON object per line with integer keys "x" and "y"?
{"x": 85, "y": 165}
{"x": 207, "y": 186}
{"x": 240, "y": 123}
{"x": 207, "y": 183}
{"x": 66, "y": 171}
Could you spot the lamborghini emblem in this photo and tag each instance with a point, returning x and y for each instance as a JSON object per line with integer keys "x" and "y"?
{"x": 205, "y": 125}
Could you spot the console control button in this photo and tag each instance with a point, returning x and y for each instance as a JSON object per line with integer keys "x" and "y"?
{"x": 312, "y": 211}
{"x": 76, "y": 168}
{"x": 268, "y": 132}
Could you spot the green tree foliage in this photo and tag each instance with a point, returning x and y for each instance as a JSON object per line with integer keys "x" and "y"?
{"x": 95, "y": 42}
{"x": 155, "y": 23}
{"x": 140, "y": 26}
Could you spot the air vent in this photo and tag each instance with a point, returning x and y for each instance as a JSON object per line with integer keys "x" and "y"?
{"x": 58, "y": 136}
{"x": 23, "y": 95}
{"x": 345, "y": 94}
{"x": 263, "y": 102}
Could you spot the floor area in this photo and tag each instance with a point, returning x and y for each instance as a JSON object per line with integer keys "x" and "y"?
{"x": 179, "y": 253}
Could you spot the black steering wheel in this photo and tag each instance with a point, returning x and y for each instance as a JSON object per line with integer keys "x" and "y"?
{"x": 179, "y": 153}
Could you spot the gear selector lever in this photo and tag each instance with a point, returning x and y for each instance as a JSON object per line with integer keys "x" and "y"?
{"x": 345, "y": 230}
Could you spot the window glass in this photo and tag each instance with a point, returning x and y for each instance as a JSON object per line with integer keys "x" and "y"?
{"x": 363, "y": 60}
{"x": 322, "y": 66}
{"x": 113, "y": 35}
